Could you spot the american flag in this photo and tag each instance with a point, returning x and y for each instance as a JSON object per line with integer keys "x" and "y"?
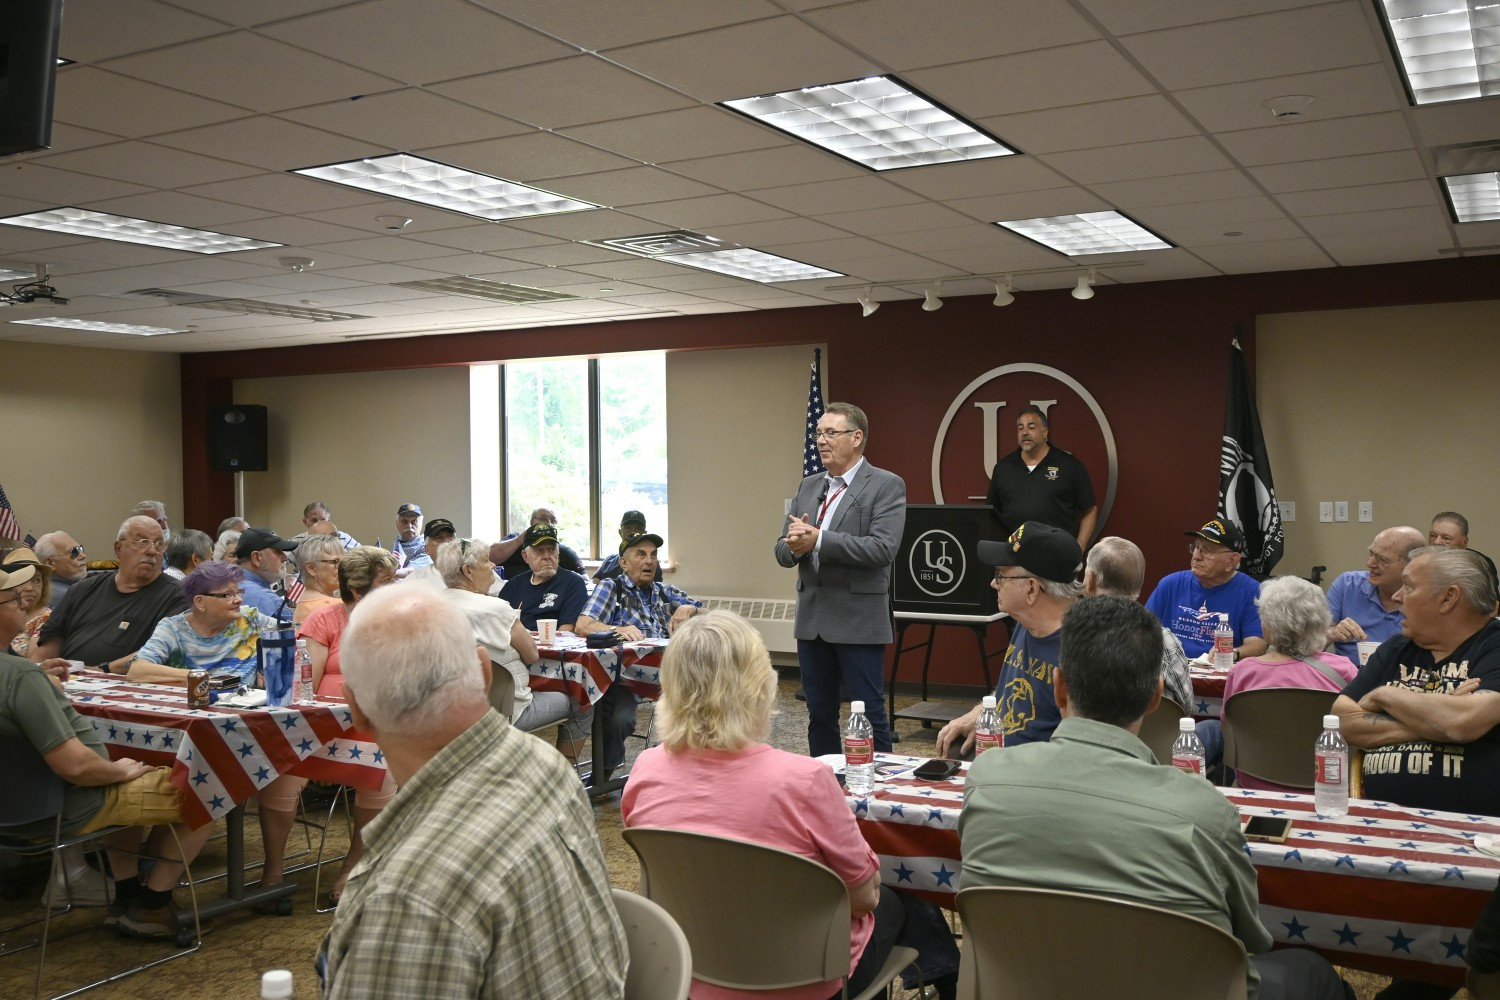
{"x": 9, "y": 526}
{"x": 294, "y": 590}
{"x": 812, "y": 462}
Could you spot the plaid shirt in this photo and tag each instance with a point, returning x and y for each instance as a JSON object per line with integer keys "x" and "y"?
{"x": 483, "y": 877}
{"x": 620, "y": 602}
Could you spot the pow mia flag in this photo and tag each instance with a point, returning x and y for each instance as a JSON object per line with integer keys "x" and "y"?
{"x": 1246, "y": 494}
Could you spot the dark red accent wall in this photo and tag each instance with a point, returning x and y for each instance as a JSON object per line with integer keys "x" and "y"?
{"x": 1154, "y": 355}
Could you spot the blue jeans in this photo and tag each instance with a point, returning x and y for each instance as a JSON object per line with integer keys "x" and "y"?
{"x": 861, "y": 667}
{"x": 618, "y": 705}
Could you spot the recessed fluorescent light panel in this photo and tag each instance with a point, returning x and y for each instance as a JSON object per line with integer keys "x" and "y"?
{"x": 1446, "y": 48}
{"x": 81, "y": 222}
{"x": 878, "y": 122}
{"x": 756, "y": 265}
{"x": 1091, "y": 232}
{"x": 1474, "y": 197}
{"x": 483, "y": 288}
{"x": 100, "y": 327}
{"x": 427, "y": 182}
{"x": 255, "y": 307}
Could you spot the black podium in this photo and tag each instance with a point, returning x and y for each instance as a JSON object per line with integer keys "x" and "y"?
{"x": 938, "y": 582}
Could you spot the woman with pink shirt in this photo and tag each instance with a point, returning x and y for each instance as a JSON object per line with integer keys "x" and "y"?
{"x": 1295, "y": 618}
{"x": 714, "y": 774}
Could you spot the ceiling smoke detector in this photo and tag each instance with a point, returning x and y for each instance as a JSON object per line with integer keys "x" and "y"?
{"x": 1289, "y": 108}
{"x": 296, "y": 264}
{"x": 393, "y": 223}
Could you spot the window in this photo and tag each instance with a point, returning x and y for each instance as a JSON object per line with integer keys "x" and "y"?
{"x": 587, "y": 438}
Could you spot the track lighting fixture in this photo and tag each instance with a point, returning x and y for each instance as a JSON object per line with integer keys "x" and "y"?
{"x": 1085, "y": 288}
{"x": 1004, "y": 293}
{"x": 867, "y": 304}
{"x": 930, "y": 301}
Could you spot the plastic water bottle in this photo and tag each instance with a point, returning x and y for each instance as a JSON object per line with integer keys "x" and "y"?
{"x": 1187, "y": 751}
{"x": 276, "y": 985}
{"x": 1331, "y": 783}
{"x": 1223, "y": 644}
{"x": 302, "y": 688}
{"x": 987, "y": 734}
{"x": 859, "y": 751}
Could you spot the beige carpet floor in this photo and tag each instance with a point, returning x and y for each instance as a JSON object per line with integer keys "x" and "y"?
{"x": 238, "y": 949}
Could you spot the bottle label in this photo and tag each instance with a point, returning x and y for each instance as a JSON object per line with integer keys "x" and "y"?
{"x": 858, "y": 752}
{"x": 1192, "y": 764}
{"x": 1224, "y": 643}
{"x": 1330, "y": 769}
{"x": 987, "y": 741}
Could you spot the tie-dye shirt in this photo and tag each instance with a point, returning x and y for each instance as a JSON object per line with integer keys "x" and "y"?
{"x": 176, "y": 644}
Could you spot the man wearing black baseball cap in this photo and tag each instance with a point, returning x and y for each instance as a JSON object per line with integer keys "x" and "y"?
{"x": 632, "y": 523}
{"x": 424, "y": 567}
{"x": 1190, "y": 601}
{"x": 506, "y": 553}
{"x": 541, "y": 591}
{"x": 1038, "y": 572}
{"x": 261, "y": 554}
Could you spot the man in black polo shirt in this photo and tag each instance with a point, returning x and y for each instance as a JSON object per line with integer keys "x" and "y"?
{"x": 1038, "y": 482}
{"x": 541, "y": 591}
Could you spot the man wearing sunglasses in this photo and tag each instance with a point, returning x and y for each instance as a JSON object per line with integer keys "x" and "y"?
{"x": 105, "y": 619}
{"x": 65, "y": 557}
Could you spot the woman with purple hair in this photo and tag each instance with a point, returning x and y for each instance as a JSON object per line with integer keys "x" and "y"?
{"x": 216, "y": 634}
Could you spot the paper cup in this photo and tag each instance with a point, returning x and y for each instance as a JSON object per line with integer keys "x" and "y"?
{"x": 1365, "y": 649}
{"x": 546, "y": 630}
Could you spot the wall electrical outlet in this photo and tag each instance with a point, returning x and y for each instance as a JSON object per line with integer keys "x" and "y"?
{"x": 1366, "y": 511}
{"x": 1341, "y": 510}
{"x": 1288, "y": 510}
{"x": 1325, "y": 511}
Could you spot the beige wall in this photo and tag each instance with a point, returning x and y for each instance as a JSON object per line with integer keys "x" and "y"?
{"x": 88, "y": 434}
{"x": 364, "y": 444}
{"x": 1397, "y": 406}
{"x": 734, "y": 430}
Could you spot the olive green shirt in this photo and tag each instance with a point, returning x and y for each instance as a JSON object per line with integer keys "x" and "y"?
{"x": 34, "y": 709}
{"x": 1092, "y": 811}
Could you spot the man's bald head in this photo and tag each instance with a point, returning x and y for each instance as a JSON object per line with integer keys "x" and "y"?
{"x": 1389, "y": 553}
{"x": 1116, "y": 566}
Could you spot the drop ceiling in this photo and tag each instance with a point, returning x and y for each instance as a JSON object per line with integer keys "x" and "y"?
{"x": 192, "y": 113}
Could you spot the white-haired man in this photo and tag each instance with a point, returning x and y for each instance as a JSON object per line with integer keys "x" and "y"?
{"x": 484, "y": 875}
{"x": 69, "y": 563}
{"x": 1117, "y": 566}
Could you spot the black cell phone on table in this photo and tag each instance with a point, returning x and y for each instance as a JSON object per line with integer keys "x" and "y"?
{"x": 937, "y": 769}
{"x": 1270, "y": 829}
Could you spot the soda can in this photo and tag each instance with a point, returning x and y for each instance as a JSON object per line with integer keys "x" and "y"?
{"x": 197, "y": 689}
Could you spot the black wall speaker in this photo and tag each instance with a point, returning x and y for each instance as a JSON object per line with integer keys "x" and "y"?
{"x": 237, "y": 438}
{"x": 28, "y": 71}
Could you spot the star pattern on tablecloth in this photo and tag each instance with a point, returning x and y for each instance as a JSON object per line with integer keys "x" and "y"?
{"x": 246, "y": 749}
{"x": 1348, "y": 935}
{"x": 943, "y": 875}
{"x": 1399, "y": 941}
{"x": 291, "y": 721}
{"x": 305, "y": 746}
{"x": 903, "y": 873}
{"x": 1454, "y": 946}
{"x": 262, "y": 774}
{"x": 1294, "y": 929}
{"x": 229, "y": 725}
{"x": 200, "y": 777}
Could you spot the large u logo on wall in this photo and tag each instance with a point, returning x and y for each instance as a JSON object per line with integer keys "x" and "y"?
{"x": 979, "y": 428}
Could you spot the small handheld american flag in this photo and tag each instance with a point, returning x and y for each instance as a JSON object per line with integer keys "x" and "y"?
{"x": 9, "y": 526}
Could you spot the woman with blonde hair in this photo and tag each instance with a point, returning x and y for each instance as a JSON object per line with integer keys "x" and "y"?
{"x": 713, "y": 773}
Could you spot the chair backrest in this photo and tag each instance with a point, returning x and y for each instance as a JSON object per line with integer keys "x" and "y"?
{"x": 33, "y": 791}
{"x": 1159, "y": 729}
{"x": 503, "y": 692}
{"x": 1037, "y": 943}
{"x": 757, "y": 918}
{"x": 661, "y": 962}
{"x": 1269, "y": 733}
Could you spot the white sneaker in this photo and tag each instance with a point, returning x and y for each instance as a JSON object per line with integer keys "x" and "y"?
{"x": 84, "y": 888}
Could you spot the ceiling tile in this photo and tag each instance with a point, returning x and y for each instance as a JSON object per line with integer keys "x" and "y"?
{"x": 40, "y": 182}
{"x": 1256, "y": 208}
{"x": 632, "y": 270}
{"x": 1190, "y": 154}
{"x": 1384, "y": 221}
{"x": 149, "y": 164}
{"x": 566, "y": 92}
{"x": 947, "y": 181}
{"x": 896, "y": 267}
{"x": 1459, "y": 121}
{"x": 905, "y": 35}
{"x": 1031, "y": 204}
{"x": 1316, "y": 140}
{"x": 1361, "y": 198}
{"x": 386, "y": 274}
{"x": 836, "y": 196}
{"x": 707, "y": 212}
{"x": 406, "y": 120}
{"x": 1192, "y": 237}
{"x": 295, "y": 231}
{"x": 631, "y": 186}
{"x": 529, "y": 157}
{"x": 1103, "y": 123}
{"x": 597, "y": 26}
{"x": 1272, "y": 255}
{"x": 1357, "y": 249}
{"x": 285, "y": 193}
{"x": 424, "y": 219}
{"x": 269, "y": 143}
{"x": 746, "y": 60}
{"x": 485, "y": 238}
{"x": 1048, "y": 78}
{"x": 234, "y": 68}
{"x": 261, "y": 12}
{"x": 974, "y": 236}
{"x": 797, "y": 164}
{"x": 1341, "y": 171}
{"x": 875, "y": 221}
{"x": 1176, "y": 190}
{"x": 179, "y": 209}
{"x": 817, "y": 251}
{"x": 120, "y": 105}
{"x": 989, "y": 260}
{"x": 1479, "y": 234}
{"x": 1305, "y": 40}
{"x": 1336, "y": 93}
{"x": 564, "y": 255}
{"x": 763, "y": 234}
{"x": 596, "y": 225}
{"x": 1125, "y": 17}
{"x": 678, "y": 135}
{"x": 419, "y": 41}
{"x": 94, "y": 30}
{"x": 382, "y": 248}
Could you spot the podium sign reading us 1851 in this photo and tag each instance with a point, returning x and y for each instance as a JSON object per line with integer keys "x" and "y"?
{"x": 936, "y": 569}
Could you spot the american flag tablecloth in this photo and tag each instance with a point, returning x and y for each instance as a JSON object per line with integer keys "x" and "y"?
{"x": 585, "y": 674}
{"x": 1387, "y": 889}
{"x": 1208, "y": 691}
{"x": 219, "y": 756}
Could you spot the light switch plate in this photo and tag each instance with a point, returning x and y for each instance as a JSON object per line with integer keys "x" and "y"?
{"x": 1341, "y": 510}
{"x": 1366, "y": 511}
{"x": 1288, "y": 510}
{"x": 1325, "y": 511}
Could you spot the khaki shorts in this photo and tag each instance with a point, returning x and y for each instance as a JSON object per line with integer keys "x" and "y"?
{"x": 145, "y": 801}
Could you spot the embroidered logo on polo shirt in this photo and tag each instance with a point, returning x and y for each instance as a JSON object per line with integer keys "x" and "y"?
{"x": 1052, "y": 473}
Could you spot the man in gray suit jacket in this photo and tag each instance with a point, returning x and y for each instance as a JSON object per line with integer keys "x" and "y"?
{"x": 842, "y": 536}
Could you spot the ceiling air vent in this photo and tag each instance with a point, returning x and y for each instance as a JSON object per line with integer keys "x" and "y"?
{"x": 662, "y": 244}
{"x": 482, "y": 288}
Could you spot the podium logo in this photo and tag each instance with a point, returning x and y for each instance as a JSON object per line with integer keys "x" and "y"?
{"x": 936, "y": 562}
{"x": 978, "y": 429}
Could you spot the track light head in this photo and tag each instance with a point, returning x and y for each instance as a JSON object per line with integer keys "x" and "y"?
{"x": 1003, "y": 293}
{"x": 930, "y": 301}
{"x": 867, "y": 304}
{"x": 1085, "y": 288}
